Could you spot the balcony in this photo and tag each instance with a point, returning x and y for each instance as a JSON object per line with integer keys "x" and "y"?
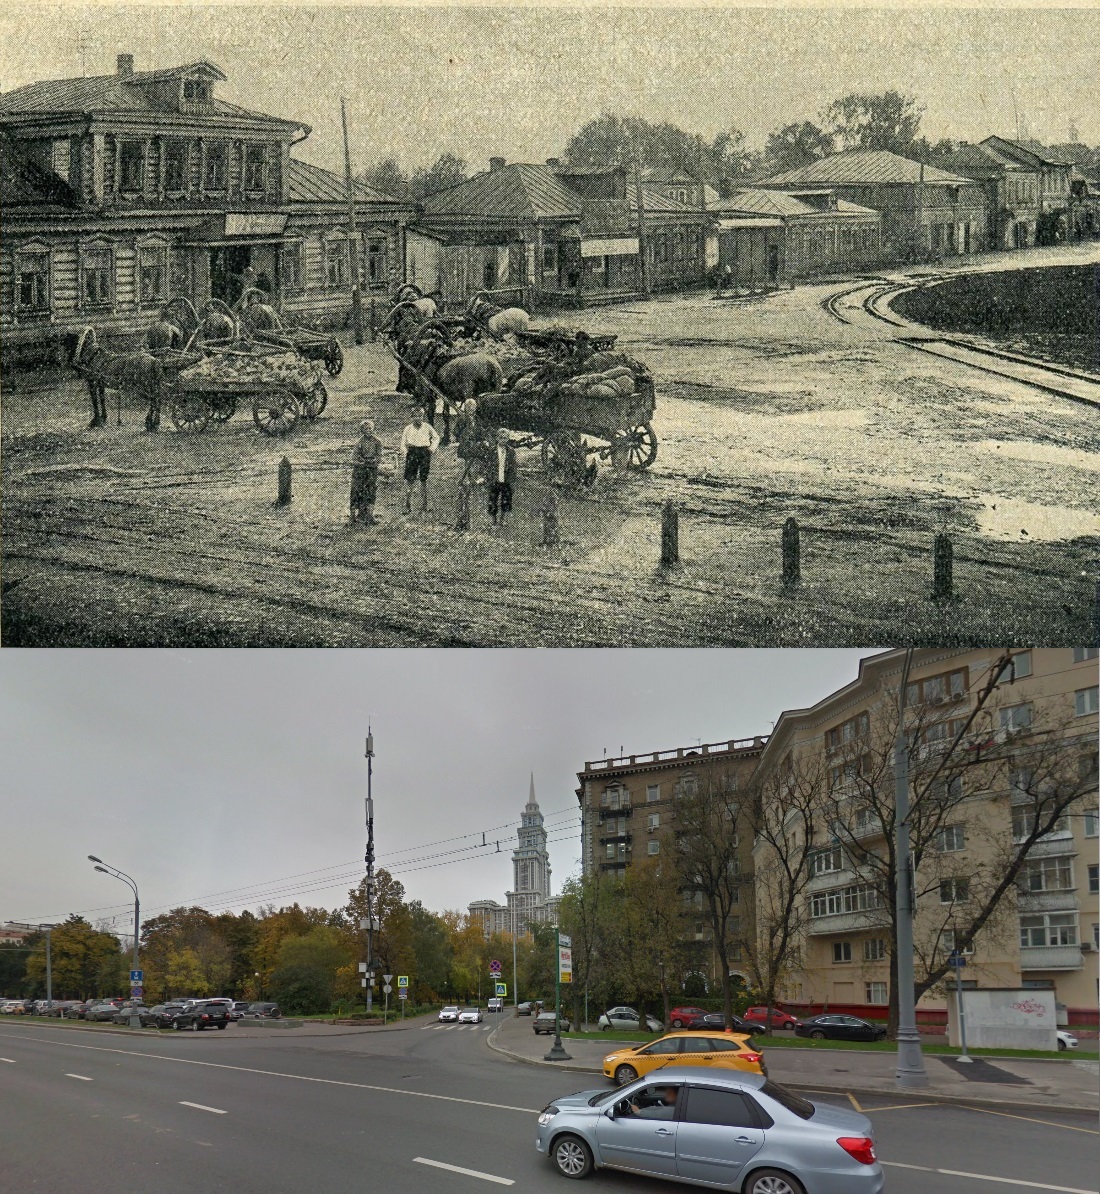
{"x": 1050, "y": 957}
{"x": 609, "y": 813}
{"x": 616, "y": 838}
{"x": 1064, "y": 900}
{"x": 847, "y": 922}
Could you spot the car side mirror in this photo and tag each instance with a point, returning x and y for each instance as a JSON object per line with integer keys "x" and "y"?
{"x": 610, "y": 1112}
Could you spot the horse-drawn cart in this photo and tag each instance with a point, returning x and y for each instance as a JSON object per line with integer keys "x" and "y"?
{"x": 263, "y": 323}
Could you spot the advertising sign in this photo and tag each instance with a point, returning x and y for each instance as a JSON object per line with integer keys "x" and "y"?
{"x": 565, "y": 962}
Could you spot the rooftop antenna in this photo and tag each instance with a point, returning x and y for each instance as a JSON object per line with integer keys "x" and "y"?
{"x": 1016, "y": 113}
{"x": 82, "y": 44}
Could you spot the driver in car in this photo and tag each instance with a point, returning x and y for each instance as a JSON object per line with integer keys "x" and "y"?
{"x": 655, "y": 1102}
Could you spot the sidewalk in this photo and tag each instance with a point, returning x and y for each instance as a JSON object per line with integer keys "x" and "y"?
{"x": 1055, "y": 1085}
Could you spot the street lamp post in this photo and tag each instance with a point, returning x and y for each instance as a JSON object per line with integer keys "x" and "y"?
{"x": 115, "y": 873}
{"x": 369, "y": 859}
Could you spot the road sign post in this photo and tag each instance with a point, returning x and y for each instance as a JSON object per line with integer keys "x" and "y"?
{"x": 564, "y": 967}
{"x": 958, "y": 962}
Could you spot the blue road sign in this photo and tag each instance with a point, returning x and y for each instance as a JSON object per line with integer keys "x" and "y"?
{"x": 136, "y": 976}
{"x": 956, "y": 959}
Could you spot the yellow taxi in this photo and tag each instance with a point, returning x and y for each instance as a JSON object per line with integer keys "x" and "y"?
{"x": 726, "y": 1050}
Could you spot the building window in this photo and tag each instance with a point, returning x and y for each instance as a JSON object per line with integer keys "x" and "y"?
{"x": 175, "y": 166}
{"x": 1094, "y": 878}
{"x": 825, "y": 861}
{"x": 654, "y": 847}
{"x": 1096, "y": 936}
{"x": 290, "y": 266}
{"x": 849, "y": 731}
{"x": 1023, "y": 823}
{"x": 1048, "y": 874}
{"x": 874, "y": 950}
{"x": 1017, "y": 669}
{"x": 1050, "y": 928}
{"x": 153, "y": 273}
{"x": 1016, "y": 718}
{"x": 214, "y": 177}
{"x": 131, "y": 165}
{"x": 954, "y": 891}
{"x": 948, "y": 686}
{"x": 376, "y": 263}
{"x": 1080, "y": 654}
{"x": 1092, "y": 822}
{"x": 653, "y": 793}
{"x": 842, "y": 951}
{"x": 857, "y": 898}
{"x": 876, "y": 993}
{"x": 947, "y": 943}
{"x": 336, "y": 264}
{"x": 687, "y": 786}
{"x": 1088, "y": 767}
{"x": 33, "y": 285}
{"x": 549, "y": 258}
{"x": 255, "y": 168}
{"x": 196, "y": 90}
{"x": 610, "y": 849}
{"x": 654, "y": 820}
{"x": 1085, "y": 701}
{"x": 949, "y": 839}
{"x": 95, "y": 277}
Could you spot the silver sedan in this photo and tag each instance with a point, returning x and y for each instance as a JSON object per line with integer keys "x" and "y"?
{"x": 729, "y": 1131}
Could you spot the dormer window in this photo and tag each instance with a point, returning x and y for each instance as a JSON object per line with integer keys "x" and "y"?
{"x": 196, "y": 91}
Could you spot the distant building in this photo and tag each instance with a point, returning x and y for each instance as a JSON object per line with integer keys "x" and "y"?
{"x": 1013, "y": 190}
{"x": 926, "y": 212}
{"x": 13, "y": 935}
{"x": 530, "y": 901}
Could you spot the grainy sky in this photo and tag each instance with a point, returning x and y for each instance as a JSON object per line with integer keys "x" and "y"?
{"x": 235, "y": 778}
{"x": 518, "y": 81}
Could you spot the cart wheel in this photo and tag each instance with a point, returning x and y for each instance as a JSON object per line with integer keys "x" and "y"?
{"x": 563, "y": 458}
{"x": 643, "y": 446}
{"x": 189, "y": 412}
{"x": 275, "y": 412}
{"x": 223, "y": 407}
{"x": 315, "y": 401}
{"x": 334, "y": 358}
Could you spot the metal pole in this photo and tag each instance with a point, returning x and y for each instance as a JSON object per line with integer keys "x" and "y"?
{"x": 557, "y": 1053}
{"x": 353, "y": 245}
{"x": 515, "y": 982}
{"x": 369, "y": 859}
{"x": 115, "y": 873}
{"x": 961, "y": 1013}
{"x": 49, "y": 972}
{"x": 910, "y": 1069}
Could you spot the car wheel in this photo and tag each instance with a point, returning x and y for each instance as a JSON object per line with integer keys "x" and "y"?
{"x": 817, "y": 1034}
{"x": 196, "y": 1026}
{"x": 677, "y": 1023}
{"x": 1061, "y": 1044}
{"x": 220, "y": 1026}
{"x": 772, "y": 1181}
{"x": 572, "y": 1157}
{"x": 625, "y": 1074}
{"x": 175, "y": 1025}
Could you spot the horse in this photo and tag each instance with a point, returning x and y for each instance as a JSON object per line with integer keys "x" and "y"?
{"x": 163, "y": 334}
{"x": 466, "y": 377}
{"x": 133, "y": 372}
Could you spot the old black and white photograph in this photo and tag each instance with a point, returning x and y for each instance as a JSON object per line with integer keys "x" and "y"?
{"x": 549, "y": 326}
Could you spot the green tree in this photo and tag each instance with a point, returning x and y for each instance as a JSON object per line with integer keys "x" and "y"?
{"x": 445, "y": 172}
{"x": 304, "y": 979}
{"x": 81, "y": 960}
{"x": 13, "y": 967}
{"x": 796, "y": 145}
{"x": 887, "y": 121}
{"x": 386, "y": 176}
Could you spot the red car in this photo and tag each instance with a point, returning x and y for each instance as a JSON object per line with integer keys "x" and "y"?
{"x": 685, "y": 1017}
{"x": 780, "y": 1019}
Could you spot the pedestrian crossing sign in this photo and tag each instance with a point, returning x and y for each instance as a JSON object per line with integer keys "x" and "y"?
{"x": 502, "y": 988}
{"x": 402, "y": 980}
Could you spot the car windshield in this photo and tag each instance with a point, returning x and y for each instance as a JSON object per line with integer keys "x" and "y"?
{"x": 605, "y": 1096}
{"x": 795, "y": 1104}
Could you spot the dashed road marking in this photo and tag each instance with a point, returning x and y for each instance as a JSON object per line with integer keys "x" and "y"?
{"x": 988, "y": 1177}
{"x": 202, "y": 1107}
{"x": 81, "y": 1077}
{"x": 1032, "y": 1120}
{"x": 9, "y": 1060}
{"x": 488, "y": 1177}
{"x": 899, "y": 1107}
{"x": 852, "y": 1100}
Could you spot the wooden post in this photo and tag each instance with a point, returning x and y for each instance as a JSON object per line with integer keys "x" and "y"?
{"x": 550, "y": 520}
{"x": 285, "y": 495}
{"x": 670, "y": 535}
{"x": 462, "y": 508}
{"x": 353, "y": 244}
{"x": 943, "y": 587}
{"x": 792, "y": 555}
{"x": 643, "y": 264}
{"x": 373, "y": 320}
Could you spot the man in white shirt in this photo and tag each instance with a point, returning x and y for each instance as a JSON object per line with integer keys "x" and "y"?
{"x": 501, "y": 475}
{"x": 418, "y": 441}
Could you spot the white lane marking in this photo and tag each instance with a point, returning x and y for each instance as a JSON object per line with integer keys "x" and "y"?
{"x": 9, "y": 1060}
{"x": 243, "y": 1069}
{"x": 202, "y": 1107}
{"x": 986, "y": 1177}
{"x": 80, "y": 1076}
{"x": 488, "y": 1177}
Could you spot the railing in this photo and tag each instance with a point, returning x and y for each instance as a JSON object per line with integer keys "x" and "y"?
{"x": 734, "y": 745}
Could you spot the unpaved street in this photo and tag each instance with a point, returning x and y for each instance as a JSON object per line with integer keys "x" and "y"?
{"x": 767, "y": 409}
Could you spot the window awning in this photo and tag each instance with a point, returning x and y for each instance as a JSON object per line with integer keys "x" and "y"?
{"x": 616, "y": 247}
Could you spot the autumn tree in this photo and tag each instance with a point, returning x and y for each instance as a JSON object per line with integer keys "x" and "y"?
{"x": 84, "y": 961}
{"x": 304, "y": 979}
{"x": 652, "y": 926}
{"x": 386, "y": 176}
{"x": 887, "y": 121}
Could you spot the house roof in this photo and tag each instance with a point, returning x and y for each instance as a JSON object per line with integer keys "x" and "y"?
{"x": 312, "y": 184}
{"x": 119, "y": 94}
{"x": 785, "y": 205}
{"x": 863, "y": 167}
{"x": 978, "y": 161}
{"x": 1026, "y": 153}
{"x": 24, "y": 183}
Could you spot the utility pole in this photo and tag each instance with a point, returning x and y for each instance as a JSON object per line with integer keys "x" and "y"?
{"x": 369, "y": 859}
{"x": 643, "y": 265}
{"x": 557, "y": 1053}
{"x": 353, "y": 243}
{"x": 910, "y": 1070}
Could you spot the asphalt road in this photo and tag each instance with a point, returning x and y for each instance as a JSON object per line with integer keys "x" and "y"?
{"x": 402, "y": 1111}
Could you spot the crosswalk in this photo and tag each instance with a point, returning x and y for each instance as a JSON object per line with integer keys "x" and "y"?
{"x": 458, "y": 1027}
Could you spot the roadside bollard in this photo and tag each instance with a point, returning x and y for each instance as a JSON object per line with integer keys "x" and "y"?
{"x": 284, "y": 483}
{"x": 792, "y": 555}
{"x": 550, "y": 520}
{"x": 670, "y": 535}
{"x": 943, "y": 585}
{"x": 462, "y": 509}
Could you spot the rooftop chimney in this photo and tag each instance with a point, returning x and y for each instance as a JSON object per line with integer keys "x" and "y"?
{"x": 554, "y": 163}
{"x": 496, "y": 165}
{"x": 125, "y": 65}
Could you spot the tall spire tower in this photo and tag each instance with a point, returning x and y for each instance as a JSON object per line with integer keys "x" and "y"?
{"x": 530, "y": 861}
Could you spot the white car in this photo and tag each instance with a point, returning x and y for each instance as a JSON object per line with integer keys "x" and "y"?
{"x": 626, "y": 1019}
{"x": 1065, "y": 1041}
{"x": 448, "y": 1015}
{"x": 470, "y": 1015}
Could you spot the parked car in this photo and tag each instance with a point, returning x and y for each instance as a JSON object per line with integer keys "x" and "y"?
{"x": 197, "y": 1016}
{"x": 685, "y": 1048}
{"x": 63, "y": 1008}
{"x": 470, "y": 1015}
{"x": 147, "y": 1015}
{"x": 626, "y": 1019}
{"x": 448, "y": 1015}
{"x": 1065, "y": 1040}
{"x": 526, "y": 1008}
{"x": 264, "y": 1011}
{"x": 100, "y": 1012}
{"x": 544, "y": 1022}
{"x": 840, "y": 1028}
{"x": 240, "y": 1008}
{"x": 17, "y": 1007}
{"x": 162, "y": 1015}
{"x": 716, "y": 1021}
{"x": 732, "y": 1130}
{"x": 779, "y": 1019}
{"x": 685, "y": 1017}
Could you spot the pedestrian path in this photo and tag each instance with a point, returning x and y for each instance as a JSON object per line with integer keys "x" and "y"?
{"x": 457, "y": 1027}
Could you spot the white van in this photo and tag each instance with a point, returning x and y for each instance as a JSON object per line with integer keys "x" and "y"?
{"x": 496, "y": 1004}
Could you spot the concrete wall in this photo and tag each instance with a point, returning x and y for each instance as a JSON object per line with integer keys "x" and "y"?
{"x": 1007, "y": 1018}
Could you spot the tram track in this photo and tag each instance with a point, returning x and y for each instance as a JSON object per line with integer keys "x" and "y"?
{"x": 1041, "y": 375}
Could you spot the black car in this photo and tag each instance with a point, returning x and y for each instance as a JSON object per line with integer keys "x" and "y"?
{"x": 164, "y": 1013}
{"x": 101, "y": 1011}
{"x": 197, "y": 1016}
{"x": 716, "y": 1020}
{"x": 839, "y": 1028}
{"x": 263, "y": 1011}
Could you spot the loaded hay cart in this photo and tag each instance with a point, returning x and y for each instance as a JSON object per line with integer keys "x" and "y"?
{"x": 311, "y": 344}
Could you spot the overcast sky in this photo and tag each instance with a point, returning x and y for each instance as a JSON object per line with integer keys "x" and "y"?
{"x": 517, "y": 82}
{"x": 234, "y": 778}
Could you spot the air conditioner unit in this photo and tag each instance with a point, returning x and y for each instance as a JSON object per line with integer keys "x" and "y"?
{"x": 1087, "y": 947}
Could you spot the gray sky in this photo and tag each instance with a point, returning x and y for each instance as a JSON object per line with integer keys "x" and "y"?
{"x": 518, "y": 81}
{"x": 234, "y": 778}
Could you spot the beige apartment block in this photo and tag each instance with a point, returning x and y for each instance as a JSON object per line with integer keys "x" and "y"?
{"x": 987, "y": 761}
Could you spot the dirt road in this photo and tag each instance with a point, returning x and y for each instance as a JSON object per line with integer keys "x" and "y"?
{"x": 767, "y": 409}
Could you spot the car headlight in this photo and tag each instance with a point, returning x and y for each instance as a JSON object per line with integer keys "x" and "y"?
{"x": 546, "y": 1116}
